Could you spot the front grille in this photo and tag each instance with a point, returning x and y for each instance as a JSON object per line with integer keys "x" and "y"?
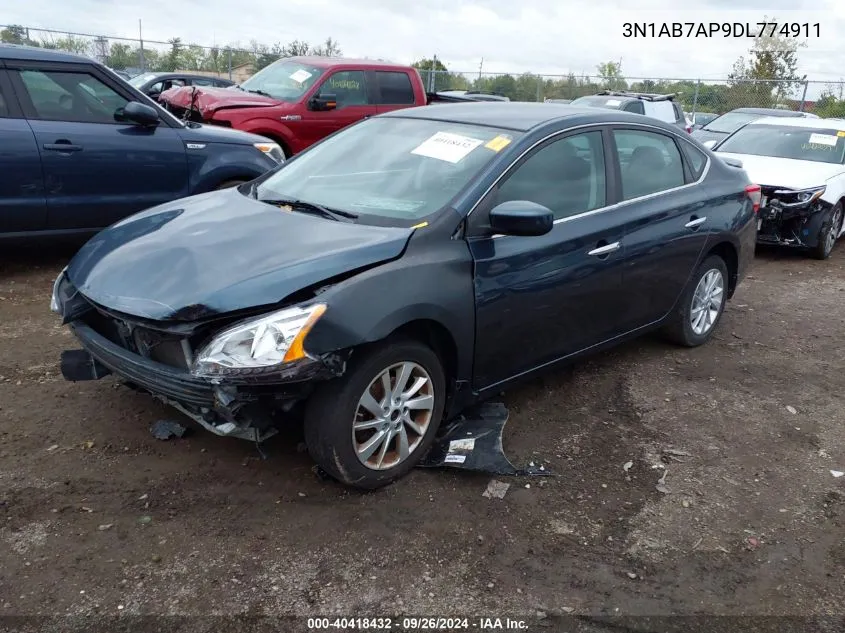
{"x": 168, "y": 349}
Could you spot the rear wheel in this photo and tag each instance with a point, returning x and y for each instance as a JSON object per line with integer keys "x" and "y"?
{"x": 374, "y": 424}
{"x": 828, "y": 233}
{"x": 701, "y": 305}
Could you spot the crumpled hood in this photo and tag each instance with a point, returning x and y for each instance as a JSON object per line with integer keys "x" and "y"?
{"x": 785, "y": 172}
{"x": 209, "y": 100}
{"x": 219, "y": 252}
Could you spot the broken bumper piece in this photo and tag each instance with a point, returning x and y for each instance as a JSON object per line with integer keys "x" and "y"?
{"x": 244, "y": 411}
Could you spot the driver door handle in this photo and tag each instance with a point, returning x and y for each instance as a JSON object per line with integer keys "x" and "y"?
{"x": 604, "y": 250}
{"x": 695, "y": 222}
{"x": 62, "y": 146}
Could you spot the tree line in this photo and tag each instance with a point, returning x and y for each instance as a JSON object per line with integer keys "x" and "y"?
{"x": 178, "y": 55}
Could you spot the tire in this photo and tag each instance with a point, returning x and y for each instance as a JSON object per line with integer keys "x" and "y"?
{"x": 334, "y": 407}
{"x": 680, "y": 329}
{"x": 228, "y": 184}
{"x": 828, "y": 233}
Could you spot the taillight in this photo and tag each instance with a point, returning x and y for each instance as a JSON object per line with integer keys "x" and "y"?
{"x": 689, "y": 129}
{"x": 755, "y": 194}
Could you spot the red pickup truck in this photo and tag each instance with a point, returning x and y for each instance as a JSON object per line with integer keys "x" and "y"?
{"x": 298, "y": 101}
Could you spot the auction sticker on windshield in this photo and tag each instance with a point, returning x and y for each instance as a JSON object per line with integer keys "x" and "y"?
{"x": 823, "y": 139}
{"x": 613, "y": 102}
{"x": 300, "y": 75}
{"x": 498, "y": 143}
{"x": 452, "y": 148}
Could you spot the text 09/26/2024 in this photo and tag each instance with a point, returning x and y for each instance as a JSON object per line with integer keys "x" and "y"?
{"x": 721, "y": 29}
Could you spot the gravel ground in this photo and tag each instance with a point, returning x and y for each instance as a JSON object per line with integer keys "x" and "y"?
{"x": 98, "y": 518}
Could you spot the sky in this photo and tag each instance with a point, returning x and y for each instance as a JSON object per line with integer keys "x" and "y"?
{"x": 552, "y": 37}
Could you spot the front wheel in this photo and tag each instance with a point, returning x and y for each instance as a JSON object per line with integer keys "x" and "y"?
{"x": 701, "y": 305}
{"x": 828, "y": 234}
{"x": 374, "y": 424}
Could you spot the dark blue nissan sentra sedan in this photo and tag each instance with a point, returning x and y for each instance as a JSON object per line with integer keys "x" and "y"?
{"x": 407, "y": 267}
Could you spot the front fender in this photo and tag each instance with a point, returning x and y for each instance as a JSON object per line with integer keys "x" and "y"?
{"x": 429, "y": 282}
{"x": 270, "y": 128}
{"x": 216, "y": 163}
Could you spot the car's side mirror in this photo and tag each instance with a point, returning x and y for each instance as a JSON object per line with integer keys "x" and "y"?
{"x": 323, "y": 102}
{"x": 521, "y": 217}
{"x": 138, "y": 113}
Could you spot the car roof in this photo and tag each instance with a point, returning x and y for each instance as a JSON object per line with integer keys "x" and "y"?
{"x": 164, "y": 75}
{"x": 331, "y": 62}
{"x": 520, "y": 116}
{"x": 815, "y": 124}
{"x": 36, "y": 54}
{"x": 771, "y": 112}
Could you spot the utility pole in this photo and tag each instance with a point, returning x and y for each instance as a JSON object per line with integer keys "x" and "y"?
{"x": 480, "y": 66}
{"x": 141, "y": 38}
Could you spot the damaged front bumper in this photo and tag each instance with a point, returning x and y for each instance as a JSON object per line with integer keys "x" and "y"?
{"x": 158, "y": 362}
{"x": 786, "y": 220}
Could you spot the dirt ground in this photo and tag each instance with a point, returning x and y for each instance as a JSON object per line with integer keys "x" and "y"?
{"x": 99, "y": 517}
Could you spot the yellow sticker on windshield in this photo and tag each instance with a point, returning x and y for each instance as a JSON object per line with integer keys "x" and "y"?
{"x": 499, "y": 143}
{"x": 840, "y": 133}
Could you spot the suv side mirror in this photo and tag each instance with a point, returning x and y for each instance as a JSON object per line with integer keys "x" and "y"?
{"x": 521, "y": 217}
{"x": 138, "y": 113}
{"x": 323, "y": 102}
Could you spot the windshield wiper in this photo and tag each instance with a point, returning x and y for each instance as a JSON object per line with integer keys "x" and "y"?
{"x": 262, "y": 93}
{"x": 311, "y": 207}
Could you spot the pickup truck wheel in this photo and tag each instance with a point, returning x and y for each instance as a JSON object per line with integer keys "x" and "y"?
{"x": 374, "y": 424}
{"x": 701, "y": 305}
{"x": 829, "y": 232}
{"x": 230, "y": 183}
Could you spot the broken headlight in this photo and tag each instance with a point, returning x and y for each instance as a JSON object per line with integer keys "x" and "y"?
{"x": 55, "y": 303}
{"x": 791, "y": 198}
{"x": 257, "y": 345}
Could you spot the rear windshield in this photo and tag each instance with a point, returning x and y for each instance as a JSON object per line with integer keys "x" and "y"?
{"x": 782, "y": 141}
{"x": 599, "y": 102}
{"x": 140, "y": 80}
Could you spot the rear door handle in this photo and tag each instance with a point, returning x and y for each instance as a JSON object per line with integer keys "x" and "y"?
{"x": 62, "y": 146}
{"x": 604, "y": 250}
{"x": 695, "y": 223}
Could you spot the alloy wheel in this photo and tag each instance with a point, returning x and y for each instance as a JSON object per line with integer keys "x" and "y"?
{"x": 707, "y": 301}
{"x": 393, "y": 415}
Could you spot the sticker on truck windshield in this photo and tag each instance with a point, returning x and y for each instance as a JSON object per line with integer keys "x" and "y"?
{"x": 300, "y": 75}
{"x": 452, "y": 148}
{"x": 823, "y": 139}
{"x": 613, "y": 102}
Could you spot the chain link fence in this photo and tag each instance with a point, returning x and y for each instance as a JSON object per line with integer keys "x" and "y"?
{"x": 696, "y": 95}
{"x": 239, "y": 62}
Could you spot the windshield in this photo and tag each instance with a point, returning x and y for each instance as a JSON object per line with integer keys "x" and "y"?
{"x": 783, "y": 141}
{"x": 731, "y": 122}
{"x": 599, "y": 102}
{"x": 140, "y": 80}
{"x": 391, "y": 171}
{"x": 283, "y": 80}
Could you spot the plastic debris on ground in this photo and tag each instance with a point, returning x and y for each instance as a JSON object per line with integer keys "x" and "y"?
{"x": 473, "y": 441}
{"x": 496, "y": 489}
{"x": 837, "y": 473}
{"x": 165, "y": 429}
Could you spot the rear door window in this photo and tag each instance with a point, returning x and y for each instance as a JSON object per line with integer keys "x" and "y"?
{"x": 649, "y": 162}
{"x": 394, "y": 88}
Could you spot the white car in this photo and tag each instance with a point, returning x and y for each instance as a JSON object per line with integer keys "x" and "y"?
{"x": 800, "y": 166}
